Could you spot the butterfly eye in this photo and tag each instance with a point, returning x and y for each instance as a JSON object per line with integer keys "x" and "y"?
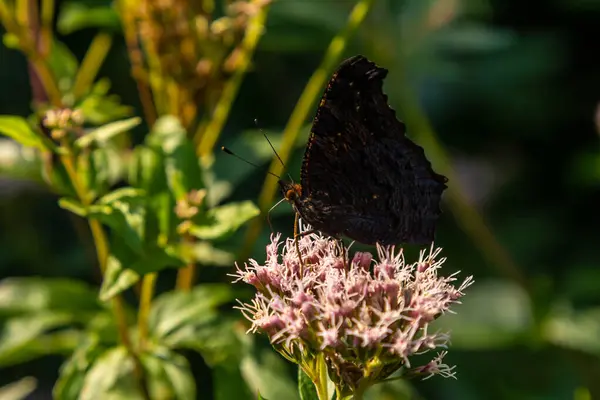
{"x": 290, "y": 194}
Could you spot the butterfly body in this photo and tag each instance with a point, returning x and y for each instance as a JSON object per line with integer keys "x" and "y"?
{"x": 361, "y": 176}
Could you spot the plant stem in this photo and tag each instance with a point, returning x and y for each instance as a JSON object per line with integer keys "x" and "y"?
{"x": 91, "y": 63}
{"x": 47, "y": 17}
{"x": 102, "y": 251}
{"x": 208, "y": 131}
{"x": 146, "y": 295}
{"x": 309, "y": 96}
{"x": 185, "y": 277}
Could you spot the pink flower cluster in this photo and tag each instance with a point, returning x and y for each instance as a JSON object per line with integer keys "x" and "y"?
{"x": 368, "y": 317}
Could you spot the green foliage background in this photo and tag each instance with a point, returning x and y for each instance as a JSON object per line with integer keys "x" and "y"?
{"x": 503, "y": 95}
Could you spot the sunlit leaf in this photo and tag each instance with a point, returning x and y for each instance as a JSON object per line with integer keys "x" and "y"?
{"x": 75, "y": 16}
{"x": 19, "y": 162}
{"x": 106, "y": 166}
{"x": 106, "y": 132}
{"x": 33, "y": 294}
{"x": 191, "y": 320}
{"x": 174, "y": 310}
{"x": 111, "y": 377}
{"x": 169, "y": 375}
{"x": 19, "y": 130}
{"x": 99, "y": 107}
{"x": 18, "y": 390}
{"x": 577, "y": 330}
{"x": 205, "y": 253}
{"x": 306, "y": 387}
{"x": 220, "y": 222}
{"x": 117, "y": 278}
{"x": 181, "y": 163}
{"x": 27, "y": 337}
{"x": 124, "y": 210}
{"x": 73, "y": 371}
{"x": 125, "y": 267}
{"x": 493, "y": 314}
{"x": 73, "y": 206}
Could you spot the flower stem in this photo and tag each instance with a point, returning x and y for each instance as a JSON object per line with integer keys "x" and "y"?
{"x": 146, "y": 295}
{"x": 308, "y": 97}
{"x": 185, "y": 277}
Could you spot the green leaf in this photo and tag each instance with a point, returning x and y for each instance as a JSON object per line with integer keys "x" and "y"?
{"x": 169, "y": 375}
{"x": 73, "y": 371}
{"x": 21, "y": 295}
{"x": 56, "y": 176}
{"x": 306, "y": 387}
{"x": 221, "y": 222}
{"x": 18, "y": 390}
{"x": 173, "y": 311}
{"x": 72, "y": 205}
{"x": 265, "y": 372}
{"x": 63, "y": 64}
{"x": 19, "y": 130}
{"x": 106, "y": 132}
{"x": 18, "y": 162}
{"x": 124, "y": 210}
{"x": 116, "y": 278}
{"x": 229, "y": 383}
{"x": 146, "y": 170}
{"x": 27, "y": 337}
{"x": 111, "y": 377}
{"x": 75, "y": 16}
{"x": 205, "y": 253}
{"x": 577, "y": 330}
{"x": 495, "y": 314}
{"x": 125, "y": 267}
{"x": 106, "y": 167}
{"x": 192, "y": 320}
{"x": 100, "y": 108}
{"x": 182, "y": 167}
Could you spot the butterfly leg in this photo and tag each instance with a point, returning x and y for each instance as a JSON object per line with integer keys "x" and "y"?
{"x": 343, "y": 251}
{"x": 298, "y": 235}
{"x": 296, "y": 242}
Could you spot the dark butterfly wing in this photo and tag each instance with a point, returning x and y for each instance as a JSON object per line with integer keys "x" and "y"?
{"x": 367, "y": 180}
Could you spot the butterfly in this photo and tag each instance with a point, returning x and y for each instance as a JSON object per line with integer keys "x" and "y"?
{"x": 361, "y": 177}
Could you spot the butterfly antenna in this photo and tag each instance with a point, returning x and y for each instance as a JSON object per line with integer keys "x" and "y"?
{"x": 270, "y": 144}
{"x": 231, "y": 153}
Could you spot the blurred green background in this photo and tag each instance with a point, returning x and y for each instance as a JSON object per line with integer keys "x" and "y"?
{"x": 503, "y": 95}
